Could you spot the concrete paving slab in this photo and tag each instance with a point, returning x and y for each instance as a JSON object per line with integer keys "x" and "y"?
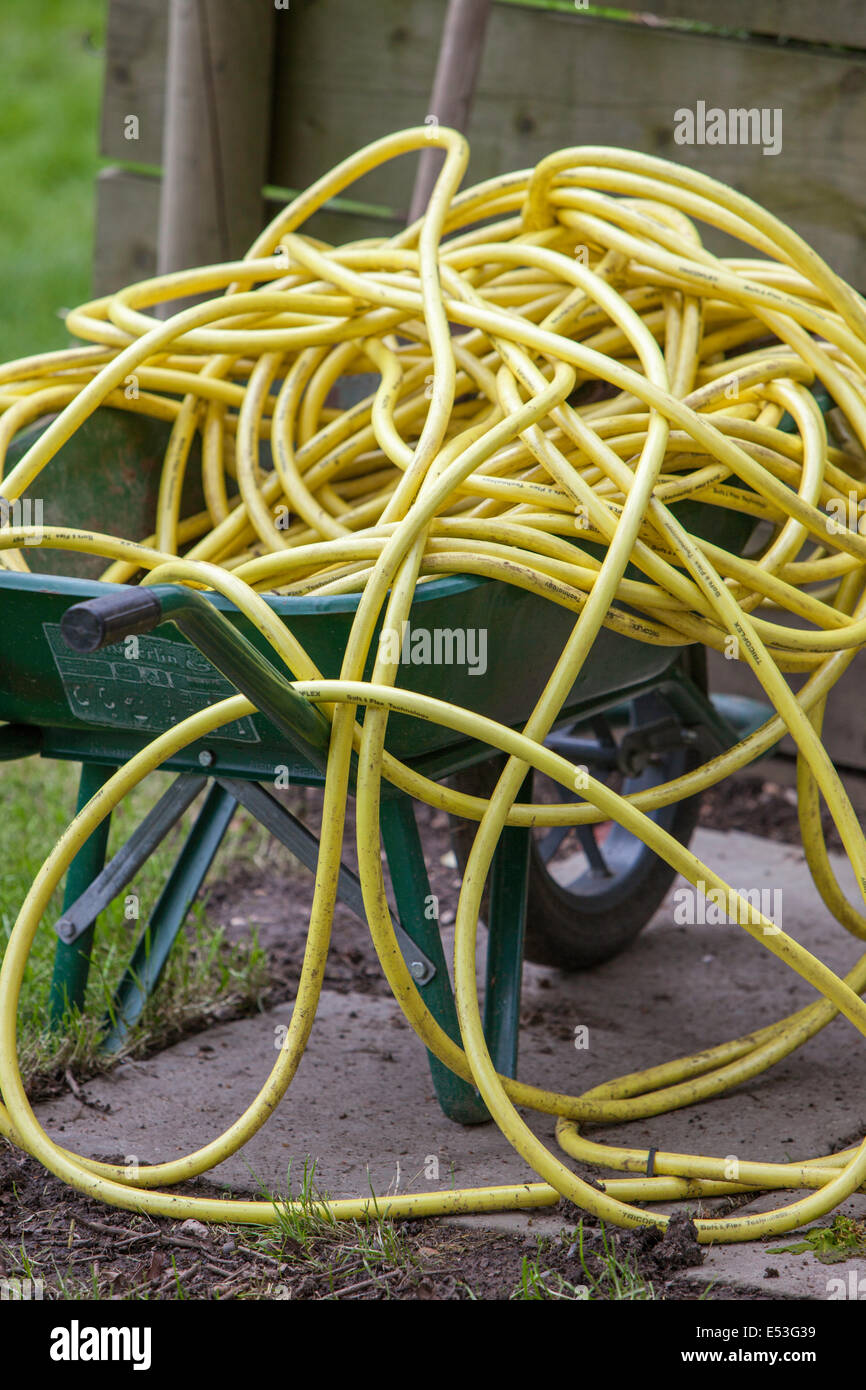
{"x": 363, "y": 1104}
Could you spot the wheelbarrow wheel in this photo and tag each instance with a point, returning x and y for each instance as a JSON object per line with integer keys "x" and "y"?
{"x": 592, "y": 889}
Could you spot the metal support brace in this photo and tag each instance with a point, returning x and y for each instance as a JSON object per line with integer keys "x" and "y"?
{"x": 151, "y": 953}
{"x": 120, "y": 870}
{"x": 305, "y": 846}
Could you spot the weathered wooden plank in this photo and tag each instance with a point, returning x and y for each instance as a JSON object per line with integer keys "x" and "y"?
{"x": 127, "y": 227}
{"x": 832, "y": 21}
{"x": 550, "y": 80}
{"x": 341, "y": 227}
{"x": 127, "y": 219}
{"x": 216, "y": 131}
{"x": 136, "y": 46}
{"x": 137, "y": 38}
{"x": 460, "y": 52}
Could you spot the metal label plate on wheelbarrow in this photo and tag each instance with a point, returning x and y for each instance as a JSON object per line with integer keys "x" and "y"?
{"x": 158, "y": 686}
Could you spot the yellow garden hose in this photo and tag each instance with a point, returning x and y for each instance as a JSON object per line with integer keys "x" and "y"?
{"x": 483, "y": 451}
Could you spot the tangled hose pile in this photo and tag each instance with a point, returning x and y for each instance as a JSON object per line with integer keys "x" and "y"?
{"x": 560, "y": 360}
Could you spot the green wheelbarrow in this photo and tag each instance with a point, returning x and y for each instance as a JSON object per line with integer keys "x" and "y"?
{"x": 637, "y": 716}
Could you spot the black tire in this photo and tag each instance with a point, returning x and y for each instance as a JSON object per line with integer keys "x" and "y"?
{"x": 578, "y": 916}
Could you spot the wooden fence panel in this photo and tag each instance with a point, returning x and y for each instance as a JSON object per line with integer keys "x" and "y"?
{"x": 136, "y": 46}
{"x": 348, "y": 73}
{"x": 550, "y": 80}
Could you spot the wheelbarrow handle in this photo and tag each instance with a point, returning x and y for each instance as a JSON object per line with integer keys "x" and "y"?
{"x": 98, "y": 622}
{"x": 86, "y": 627}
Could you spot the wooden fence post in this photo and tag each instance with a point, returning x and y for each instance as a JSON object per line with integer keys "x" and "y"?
{"x": 216, "y": 131}
{"x": 460, "y": 56}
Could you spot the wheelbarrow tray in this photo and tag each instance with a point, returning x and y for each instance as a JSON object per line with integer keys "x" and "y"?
{"x": 104, "y": 706}
{"x": 120, "y": 703}
{"x": 100, "y": 707}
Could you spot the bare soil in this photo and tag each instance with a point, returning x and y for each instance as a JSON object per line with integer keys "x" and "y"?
{"x": 276, "y": 896}
{"x": 80, "y": 1250}
{"x": 760, "y": 808}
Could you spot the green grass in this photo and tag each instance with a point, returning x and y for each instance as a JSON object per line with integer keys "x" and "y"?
{"x": 351, "y": 1254}
{"x": 307, "y": 1236}
{"x": 51, "y": 67}
{"x": 610, "y": 1279}
{"x": 204, "y": 973}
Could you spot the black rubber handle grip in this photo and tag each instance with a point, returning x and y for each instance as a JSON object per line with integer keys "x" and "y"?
{"x": 85, "y": 627}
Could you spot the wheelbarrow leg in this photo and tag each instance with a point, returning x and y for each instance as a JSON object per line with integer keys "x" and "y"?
{"x": 508, "y": 894}
{"x": 142, "y": 974}
{"x": 459, "y": 1100}
{"x": 509, "y": 886}
{"x": 72, "y": 960}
